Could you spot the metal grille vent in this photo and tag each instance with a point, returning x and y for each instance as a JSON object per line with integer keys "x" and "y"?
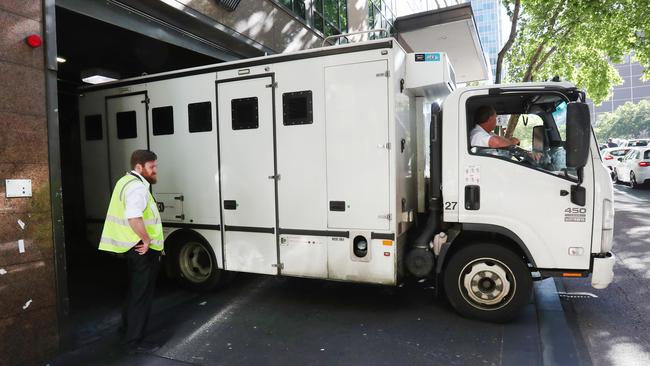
{"x": 230, "y": 5}
{"x": 577, "y": 295}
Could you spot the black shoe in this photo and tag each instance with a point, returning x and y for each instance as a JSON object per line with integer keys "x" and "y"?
{"x": 143, "y": 347}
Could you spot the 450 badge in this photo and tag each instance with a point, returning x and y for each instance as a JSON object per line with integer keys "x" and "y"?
{"x": 575, "y": 214}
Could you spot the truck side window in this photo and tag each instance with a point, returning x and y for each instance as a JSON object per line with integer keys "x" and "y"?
{"x": 93, "y": 126}
{"x": 163, "y": 120}
{"x": 127, "y": 127}
{"x": 245, "y": 115}
{"x": 200, "y": 116}
{"x": 297, "y": 108}
{"x": 539, "y": 131}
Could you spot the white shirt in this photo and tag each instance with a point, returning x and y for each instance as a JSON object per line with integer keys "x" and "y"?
{"x": 135, "y": 197}
{"x": 479, "y": 137}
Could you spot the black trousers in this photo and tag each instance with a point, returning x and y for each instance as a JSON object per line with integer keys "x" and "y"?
{"x": 143, "y": 271}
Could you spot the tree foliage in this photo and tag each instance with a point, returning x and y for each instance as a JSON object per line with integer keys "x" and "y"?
{"x": 628, "y": 121}
{"x": 576, "y": 40}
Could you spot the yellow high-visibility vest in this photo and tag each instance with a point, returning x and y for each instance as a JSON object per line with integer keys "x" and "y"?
{"x": 117, "y": 236}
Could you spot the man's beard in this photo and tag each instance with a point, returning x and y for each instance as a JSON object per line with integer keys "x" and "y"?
{"x": 151, "y": 179}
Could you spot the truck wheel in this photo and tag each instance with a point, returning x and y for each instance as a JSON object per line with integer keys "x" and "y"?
{"x": 195, "y": 265}
{"x": 487, "y": 282}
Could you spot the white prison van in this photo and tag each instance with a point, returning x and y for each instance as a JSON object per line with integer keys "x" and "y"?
{"x": 353, "y": 163}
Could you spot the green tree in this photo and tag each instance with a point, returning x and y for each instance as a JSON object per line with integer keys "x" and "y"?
{"x": 575, "y": 40}
{"x": 628, "y": 121}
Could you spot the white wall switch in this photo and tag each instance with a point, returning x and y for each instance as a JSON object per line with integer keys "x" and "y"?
{"x": 18, "y": 188}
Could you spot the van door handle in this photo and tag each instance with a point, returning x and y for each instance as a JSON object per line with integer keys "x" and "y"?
{"x": 564, "y": 192}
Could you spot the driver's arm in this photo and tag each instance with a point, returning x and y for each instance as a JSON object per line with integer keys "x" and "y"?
{"x": 499, "y": 141}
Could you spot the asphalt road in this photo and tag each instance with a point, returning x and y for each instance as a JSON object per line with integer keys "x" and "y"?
{"x": 262, "y": 320}
{"x": 615, "y": 327}
{"x": 259, "y": 320}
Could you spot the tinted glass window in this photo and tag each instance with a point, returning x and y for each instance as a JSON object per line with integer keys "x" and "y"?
{"x": 297, "y": 108}
{"x": 127, "y": 127}
{"x": 244, "y": 113}
{"x": 200, "y": 116}
{"x": 93, "y": 126}
{"x": 163, "y": 120}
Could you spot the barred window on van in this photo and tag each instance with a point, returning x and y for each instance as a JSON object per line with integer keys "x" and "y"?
{"x": 297, "y": 108}
{"x": 245, "y": 114}
{"x": 163, "y": 120}
{"x": 200, "y": 116}
{"x": 127, "y": 127}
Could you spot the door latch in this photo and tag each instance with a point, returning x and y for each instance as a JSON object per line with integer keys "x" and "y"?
{"x": 276, "y": 177}
{"x": 278, "y": 265}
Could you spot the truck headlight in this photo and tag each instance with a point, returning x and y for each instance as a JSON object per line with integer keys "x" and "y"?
{"x": 608, "y": 226}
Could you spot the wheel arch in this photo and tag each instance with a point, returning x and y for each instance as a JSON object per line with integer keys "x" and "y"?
{"x": 471, "y": 233}
{"x": 173, "y": 242}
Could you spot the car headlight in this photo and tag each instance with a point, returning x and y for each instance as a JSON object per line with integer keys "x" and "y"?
{"x": 608, "y": 226}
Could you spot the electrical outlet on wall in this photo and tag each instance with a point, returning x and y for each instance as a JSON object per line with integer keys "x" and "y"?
{"x": 18, "y": 188}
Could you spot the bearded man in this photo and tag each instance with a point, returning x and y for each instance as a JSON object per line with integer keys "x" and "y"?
{"x": 133, "y": 227}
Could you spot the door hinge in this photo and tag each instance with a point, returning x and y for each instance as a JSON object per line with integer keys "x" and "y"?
{"x": 146, "y": 101}
{"x": 276, "y": 177}
{"x": 179, "y": 198}
{"x": 276, "y": 265}
{"x": 387, "y": 217}
{"x": 272, "y": 85}
{"x": 386, "y": 146}
{"x": 182, "y": 217}
{"x": 384, "y": 74}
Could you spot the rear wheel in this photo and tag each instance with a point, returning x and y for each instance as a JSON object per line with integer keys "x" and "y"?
{"x": 487, "y": 281}
{"x": 633, "y": 183}
{"x": 194, "y": 264}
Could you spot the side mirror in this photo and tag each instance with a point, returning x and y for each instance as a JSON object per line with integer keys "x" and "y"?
{"x": 578, "y": 130}
{"x": 538, "y": 138}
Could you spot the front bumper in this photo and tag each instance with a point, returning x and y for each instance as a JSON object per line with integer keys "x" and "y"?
{"x": 603, "y": 270}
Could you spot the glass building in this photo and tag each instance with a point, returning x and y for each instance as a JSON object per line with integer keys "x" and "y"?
{"x": 487, "y": 14}
{"x": 633, "y": 89}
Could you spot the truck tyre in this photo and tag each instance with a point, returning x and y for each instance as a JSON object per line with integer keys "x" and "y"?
{"x": 487, "y": 281}
{"x": 194, "y": 264}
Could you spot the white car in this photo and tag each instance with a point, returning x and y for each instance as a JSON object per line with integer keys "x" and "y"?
{"x": 610, "y": 157}
{"x": 634, "y": 167}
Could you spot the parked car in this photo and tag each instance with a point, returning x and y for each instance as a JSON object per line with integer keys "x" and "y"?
{"x": 634, "y": 167}
{"x": 639, "y": 142}
{"x": 610, "y": 157}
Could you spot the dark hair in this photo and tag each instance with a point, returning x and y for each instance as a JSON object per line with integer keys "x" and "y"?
{"x": 141, "y": 157}
{"x": 483, "y": 113}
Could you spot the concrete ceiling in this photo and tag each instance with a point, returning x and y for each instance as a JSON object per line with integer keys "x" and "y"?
{"x": 451, "y": 30}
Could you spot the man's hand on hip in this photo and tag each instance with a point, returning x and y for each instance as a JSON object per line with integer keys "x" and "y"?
{"x": 142, "y": 247}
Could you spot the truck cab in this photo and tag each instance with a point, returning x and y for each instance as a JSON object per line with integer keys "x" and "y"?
{"x": 532, "y": 208}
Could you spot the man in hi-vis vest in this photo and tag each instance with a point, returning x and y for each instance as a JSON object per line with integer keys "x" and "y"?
{"x": 133, "y": 227}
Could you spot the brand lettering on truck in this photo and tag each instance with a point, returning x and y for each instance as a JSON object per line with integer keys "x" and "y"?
{"x": 575, "y": 214}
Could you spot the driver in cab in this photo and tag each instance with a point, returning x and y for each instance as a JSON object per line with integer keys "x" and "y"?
{"x": 482, "y": 135}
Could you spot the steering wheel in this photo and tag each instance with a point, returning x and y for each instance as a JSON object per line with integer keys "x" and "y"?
{"x": 521, "y": 155}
